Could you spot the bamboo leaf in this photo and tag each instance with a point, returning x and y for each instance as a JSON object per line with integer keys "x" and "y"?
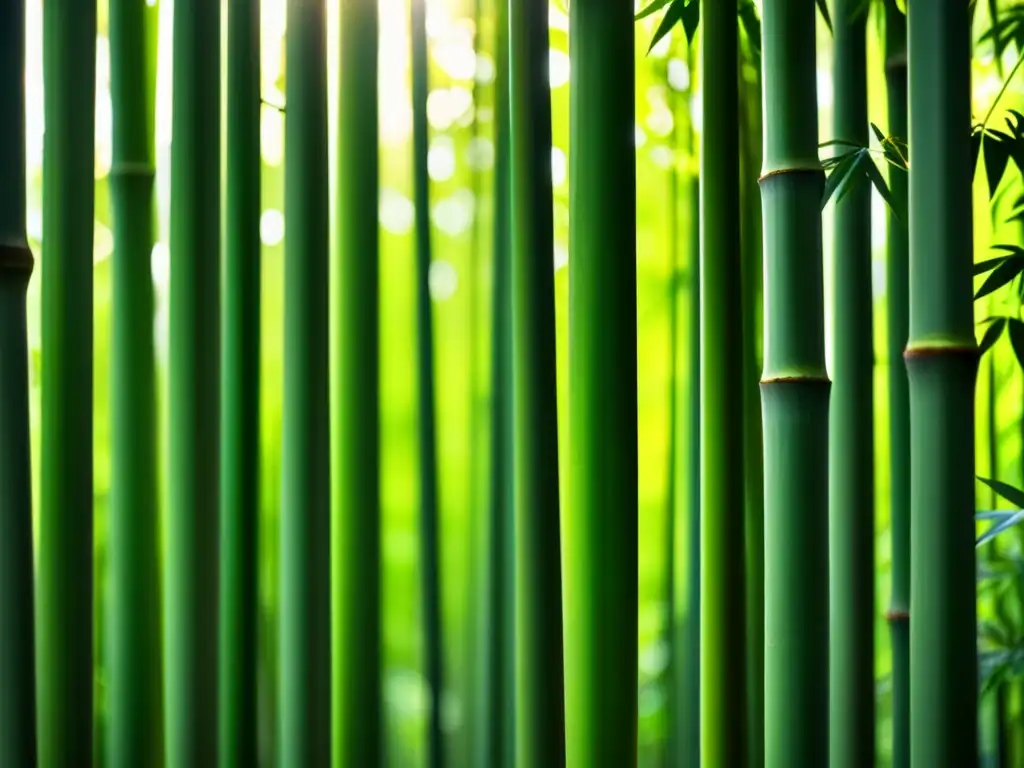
{"x": 1013, "y": 495}
{"x": 1001, "y": 275}
{"x": 672, "y": 15}
{"x": 657, "y": 5}
{"x": 826, "y": 17}
{"x": 691, "y": 18}
{"x": 883, "y": 189}
{"x": 997, "y": 154}
{"x": 984, "y": 266}
{"x": 1016, "y": 330}
{"x": 839, "y": 179}
{"x": 751, "y": 24}
{"x": 1007, "y": 523}
{"x": 992, "y": 334}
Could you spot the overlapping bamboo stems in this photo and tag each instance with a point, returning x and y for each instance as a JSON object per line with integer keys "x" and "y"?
{"x": 795, "y": 397}
{"x": 132, "y": 648}
{"x": 304, "y": 726}
{"x": 897, "y": 297}
{"x": 240, "y": 396}
{"x": 942, "y": 361}
{"x": 429, "y": 533}
{"x": 17, "y": 651}
{"x": 358, "y": 709}
{"x": 723, "y": 680}
{"x": 190, "y": 609}
{"x": 851, "y": 448}
{"x": 601, "y": 517}
{"x": 540, "y": 714}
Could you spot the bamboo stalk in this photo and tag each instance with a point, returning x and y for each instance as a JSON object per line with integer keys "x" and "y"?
{"x": 240, "y": 396}
{"x": 358, "y": 709}
{"x": 65, "y": 607}
{"x": 723, "y": 681}
{"x": 851, "y": 449}
{"x": 897, "y": 296}
{"x": 134, "y": 690}
{"x": 429, "y": 554}
{"x": 304, "y": 726}
{"x": 942, "y": 364}
{"x": 17, "y": 651}
{"x": 794, "y": 397}
{"x": 600, "y": 590}
{"x": 540, "y": 713}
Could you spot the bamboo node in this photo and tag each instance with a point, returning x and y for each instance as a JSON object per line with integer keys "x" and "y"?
{"x": 132, "y": 170}
{"x": 774, "y": 172}
{"x": 17, "y": 258}
{"x": 896, "y": 62}
{"x": 933, "y": 350}
{"x": 814, "y": 378}
{"x": 897, "y": 616}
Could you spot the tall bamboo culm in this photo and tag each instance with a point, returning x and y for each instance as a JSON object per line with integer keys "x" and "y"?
{"x": 794, "y": 397}
{"x": 132, "y": 648}
{"x": 240, "y": 396}
{"x": 65, "y": 608}
{"x": 600, "y": 523}
{"x": 190, "y": 618}
{"x": 540, "y": 713}
{"x": 851, "y": 448}
{"x": 897, "y": 296}
{"x": 17, "y": 652}
{"x": 942, "y": 361}
{"x": 723, "y": 681}
{"x": 304, "y": 728}
{"x": 357, "y": 711}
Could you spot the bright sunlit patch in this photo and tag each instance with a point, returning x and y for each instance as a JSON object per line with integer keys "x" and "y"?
{"x": 102, "y": 243}
{"x": 160, "y": 265}
{"x": 661, "y": 49}
{"x": 480, "y": 154}
{"x": 453, "y": 214}
{"x": 441, "y": 158}
{"x": 561, "y": 256}
{"x": 271, "y": 227}
{"x": 825, "y": 96}
{"x": 271, "y": 136}
{"x": 558, "y": 167}
{"x": 678, "y": 74}
{"x": 446, "y": 105}
{"x": 662, "y": 156}
{"x": 639, "y": 135}
{"x": 443, "y": 279}
{"x": 456, "y": 58}
{"x": 485, "y": 71}
{"x": 558, "y": 68}
{"x": 396, "y": 212}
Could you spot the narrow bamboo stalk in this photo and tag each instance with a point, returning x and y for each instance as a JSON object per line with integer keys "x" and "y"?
{"x": 851, "y": 450}
{"x": 753, "y": 467}
{"x": 723, "y": 680}
{"x": 358, "y": 711}
{"x": 897, "y": 296}
{"x": 65, "y": 608}
{"x": 540, "y": 712}
{"x": 794, "y": 398}
{"x": 304, "y": 726}
{"x": 134, "y": 688}
{"x": 601, "y": 517}
{"x": 17, "y": 651}
{"x": 240, "y": 396}
{"x": 942, "y": 364}
{"x": 429, "y": 564}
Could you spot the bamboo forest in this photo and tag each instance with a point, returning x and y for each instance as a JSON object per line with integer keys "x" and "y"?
{"x": 512, "y": 383}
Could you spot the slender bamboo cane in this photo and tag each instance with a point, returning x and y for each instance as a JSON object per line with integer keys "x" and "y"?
{"x": 357, "y": 716}
{"x": 17, "y": 651}
{"x": 601, "y": 519}
{"x": 304, "y": 727}
{"x": 432, "y": 652}
{"x": 540, "y": 713}
{"x": 851, "y": 450}
{"x": 942, "y": 363}
{"x": 134, "y": 690}
{"x": 65, "y": 608}
{"x": 240, "y": 396}
{"x": 753, "y": 469}
{"x": 495, "y": 743}
{"x": 794, "y": 398}
{"x": 897, "y": 296}
{"x": 191, "y": 603}
{"x": 723, "y": 683}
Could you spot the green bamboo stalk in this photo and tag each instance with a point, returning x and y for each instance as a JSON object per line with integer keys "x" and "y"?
{"x": 942, "y": 364}
{"x": 191, "y": 606}
{"x": 794, "y": 397}
{"x": 304, "y": 724}
{"x": 431, "y": 580}
{"x": 723, "y": 702}
{"x": 495, "y": 738}
{"x": 851, "y": 448}
{"x": 897, "y": 296}
{"x": 17, "y": 651}
{"x": 540, "y": 712}
{"x": 753, "y": 470}
{"x": 134, "y": 688}
{"x": 601, "y": 517}
{"x": 240, "y": 396}
{"x": 358, "y": 709}
{"x": 65, "y": 607}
